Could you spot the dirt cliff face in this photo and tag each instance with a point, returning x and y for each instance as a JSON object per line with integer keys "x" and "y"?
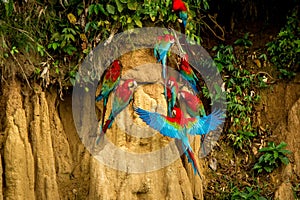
{"x": 43, "y": 157}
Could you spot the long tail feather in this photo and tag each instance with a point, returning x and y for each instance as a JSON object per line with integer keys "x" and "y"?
{"x": 99, "y": 97}
{"x": 192, "y": 160}
{"x": 202, "y": 144}
{"x": 107, "y": 125}
{"x": 103, "y": 112}
{"x": 166, "y": 95}
{"x": 99, "y": 136}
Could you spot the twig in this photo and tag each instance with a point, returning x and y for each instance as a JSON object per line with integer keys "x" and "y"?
{"x": 216, "y": 23}
{"x": 266, "y": 73}
{"x": 27, "y": 35}
{"x": 112, "y": 34}
{"x": 182, "y": 52}
{"x": 21, "y": 69}
{"x": 213, "y": 19}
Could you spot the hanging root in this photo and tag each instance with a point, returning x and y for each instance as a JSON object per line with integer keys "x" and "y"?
{"x": 214, "y": 21}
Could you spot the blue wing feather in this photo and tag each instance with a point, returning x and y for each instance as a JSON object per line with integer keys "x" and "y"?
{"x": 204, "y": 125}
{"x": 158, "y": 122}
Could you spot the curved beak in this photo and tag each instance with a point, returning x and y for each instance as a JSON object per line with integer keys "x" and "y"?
{"x": 135, "y": 84}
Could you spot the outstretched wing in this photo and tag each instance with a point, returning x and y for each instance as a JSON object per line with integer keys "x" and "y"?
{"x": 203, "y": 125}
{"x": 159, "y": 123}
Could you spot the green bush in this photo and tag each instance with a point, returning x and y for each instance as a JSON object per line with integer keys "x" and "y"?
{"x": 284, "y": 51}
{"x": 247, "y": 194}
{"x": 272, "y": 157}
{"x": 64, "y": 32}
{"x": 241, "y": 88}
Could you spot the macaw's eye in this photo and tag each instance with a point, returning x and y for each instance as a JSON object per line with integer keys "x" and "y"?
{"x": 174, "y": 112}
{"x": 170, "y": 83}
{"x": 182, "y": 94}
{"x": 132, "y": 84}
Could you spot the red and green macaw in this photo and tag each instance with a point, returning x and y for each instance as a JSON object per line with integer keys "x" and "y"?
{"x": 194, "y": 107}
{"x": 178, "y": 127}
{"x": 173, "y": 127}
{"x": 110, "y": 80}
{"x": 122, "y": 97}
{"x": 161, "y": 50}
{"x": 181, "y": 8}
{"x": 188, "y": 73}
{"x": 172, "y": 91}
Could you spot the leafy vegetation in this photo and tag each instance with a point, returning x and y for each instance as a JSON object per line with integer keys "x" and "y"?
{"x": 244, "y": 41}
{"x": 285, "y": 49}
{"x": 64, "y": 32}
{"x": 248, "y": 193}
{"x": 272, "y": 157}
{"x": 241, "y": 92}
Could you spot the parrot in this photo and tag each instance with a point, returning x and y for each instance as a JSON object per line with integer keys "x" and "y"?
{"x": 161, "y": 49}
{"x": 188, "y": 73}
{"x": 172, "y": 91}
{"x": 178, "y": 127}
{"x": 123, "y": 96}
{"x": 181, "y": 8}
{"x": 111, "y": 79}
{"x": 194, "y": 107}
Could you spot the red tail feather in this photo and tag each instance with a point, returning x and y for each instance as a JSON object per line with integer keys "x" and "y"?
{"x": 105, "y": 127}
{"x": 103, "y": 114}
{"x": 191, "y": 154}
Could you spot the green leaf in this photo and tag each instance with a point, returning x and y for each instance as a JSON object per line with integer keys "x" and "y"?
{"x": 73, "y": 81}
{"x": 267, "y": 157}
{"x": 138, "y": 23}
{"x": 120, "y": 6}
{"x": 132, "y": 5}
{"x": 101, "y": 8}
{"x": 238, "y": 41}
{"x": 55, "y": 36}
{"x": 70, "y": 36}
{"x": 9, "y": 7}
{"x": 284, "y": 160}
{"x": 275, "y": 154}
{"x": 110, "y": 9}
{"x": 91, "y": 9}
{"x": 265, "y": 149}
{"x": 281, "y": 145}
{"x": 257, "y": 166}
{"x": 268, "y": 169}
{"x": 284, "y": 151}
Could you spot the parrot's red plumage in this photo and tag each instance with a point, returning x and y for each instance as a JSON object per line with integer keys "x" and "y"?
{"x": 179, "y": 5}
{"x": 111, "y": 79}
{"x": 188, "y": 74}
{"x": 122, "y": 97}
{"x": 181, "y": 9}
